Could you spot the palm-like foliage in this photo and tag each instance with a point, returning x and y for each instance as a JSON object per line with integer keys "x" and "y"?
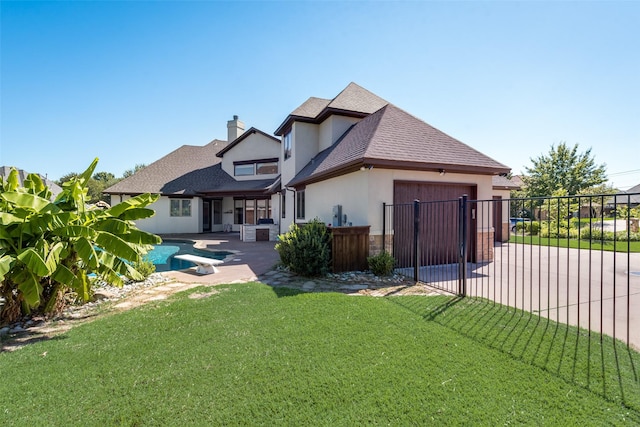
{"x": 48, "y": 247}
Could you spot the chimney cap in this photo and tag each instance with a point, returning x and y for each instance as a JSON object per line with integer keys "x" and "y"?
{"x": 235, "y": 117}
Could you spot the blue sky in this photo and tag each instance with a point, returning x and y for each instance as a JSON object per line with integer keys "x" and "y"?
{"x": 130, "y": 81}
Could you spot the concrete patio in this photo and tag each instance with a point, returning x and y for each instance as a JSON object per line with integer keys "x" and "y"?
{"x": 249, "y": 260}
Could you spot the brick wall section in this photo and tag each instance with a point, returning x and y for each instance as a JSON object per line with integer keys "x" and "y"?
{"x": 484, "y": 250}
{"x": 375, "y": 244}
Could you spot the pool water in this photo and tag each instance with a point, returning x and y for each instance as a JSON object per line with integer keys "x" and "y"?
{"x": 162, "y": 255}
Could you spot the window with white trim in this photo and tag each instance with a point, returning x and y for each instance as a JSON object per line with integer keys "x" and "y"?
{"x": 180, "y": 207}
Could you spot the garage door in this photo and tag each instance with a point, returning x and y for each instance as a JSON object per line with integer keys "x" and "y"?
{"x": 438, "y": 239}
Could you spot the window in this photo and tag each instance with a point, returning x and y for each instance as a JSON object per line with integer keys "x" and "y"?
{"x": 180, "y": 207}
{"x": 244, "y": 169}
{"x": 238, "y": 216}
{"x": 217, "y": 211}
{"x": 283, "y": 208}
{"x": 262, "y": 208}
{"x": 256, "y": 167}
{"x": 267, "y": 168}
{"x": 300, "y": 204}
{"x": 251, "y": 210}
{"x": 287, "y": 145}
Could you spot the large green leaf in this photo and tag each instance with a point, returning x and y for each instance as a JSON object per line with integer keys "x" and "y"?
{"x": 88, "y": 173}
{"x": 86, "y": 252}
{"x": 116, "y": 246}
{"x": 34, "y": 262}
{"x": 6, "y": 262}
{"x": 30, "y": 202}
{"x": 76, "y": 231}
{"x": 13, "y": 181}
{"x": 35, "y": 185}
{"x": 112, "y": 225}
{"x": 52, "y": 258}
{"x": 81, "y": 285}
{"x": 141, "y": 237}
{"x": 7, "y": 218}
{"x": 134, "y": 214}
{"x": 63, "y": 275}
{"x": 140, "y": 201}
{"x": 29, "y": 285}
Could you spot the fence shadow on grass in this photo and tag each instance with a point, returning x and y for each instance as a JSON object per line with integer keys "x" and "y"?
{"x": 597, "y": 363}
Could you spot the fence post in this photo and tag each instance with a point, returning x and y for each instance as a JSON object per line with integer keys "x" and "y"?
{"x": 462, "y": 239}
{"x": 384, "y": 227}
{"x": 416, "y": 238}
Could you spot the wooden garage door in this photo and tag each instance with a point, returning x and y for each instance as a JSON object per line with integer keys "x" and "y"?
{"x": 438, "y": 221}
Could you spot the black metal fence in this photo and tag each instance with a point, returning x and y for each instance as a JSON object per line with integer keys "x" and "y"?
{"x": 573, "y": 260}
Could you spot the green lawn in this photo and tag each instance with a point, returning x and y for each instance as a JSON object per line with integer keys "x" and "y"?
{"x": 577, "y": 243}
{"x": 253, "y": 355}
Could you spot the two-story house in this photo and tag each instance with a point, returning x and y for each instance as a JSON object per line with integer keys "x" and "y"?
{"x": 337, "y": 160}
{"x": 358, "y": 151}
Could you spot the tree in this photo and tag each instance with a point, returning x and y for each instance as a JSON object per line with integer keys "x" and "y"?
{"x": 136, "y": 168}
{"x": 563, "y": 168}
{"x": 48, "y": 248}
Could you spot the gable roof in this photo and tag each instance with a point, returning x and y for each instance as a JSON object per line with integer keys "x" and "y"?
{"x": 190, "y": 171}
{"x": 501, "y": 182}
{"x": 354, "y": 101}
{"x": 630, "y": 196}
{"x": 244, "y": 136}
{"x": 393, "y": 138}
{"x": 180, "y": 172}
{"x": 22, "y": 175}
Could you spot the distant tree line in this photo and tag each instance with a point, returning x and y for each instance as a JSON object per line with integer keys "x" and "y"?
{"x": 100, "y": 181}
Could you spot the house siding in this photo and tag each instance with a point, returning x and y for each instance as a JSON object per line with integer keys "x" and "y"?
{"x": 254, "y": 147}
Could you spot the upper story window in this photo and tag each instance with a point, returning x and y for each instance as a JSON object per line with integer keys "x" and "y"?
{"x": 255, "y": 167}
{"x": 287, "y": 145}
{"x": 180, "y": 207}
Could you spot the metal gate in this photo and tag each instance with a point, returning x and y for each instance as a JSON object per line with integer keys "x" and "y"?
{"x": 430, "y": 241}
{"x": 570, "y": 259}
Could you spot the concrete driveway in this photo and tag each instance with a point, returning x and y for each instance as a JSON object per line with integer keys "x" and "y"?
{"x": 596, "y": 290}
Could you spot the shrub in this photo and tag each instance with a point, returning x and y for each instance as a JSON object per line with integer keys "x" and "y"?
{"x": 381, "y": 264}
{"x": 533, "y": 228}
{"x": 145, "y": 268}
{"x": 306, "y": 249}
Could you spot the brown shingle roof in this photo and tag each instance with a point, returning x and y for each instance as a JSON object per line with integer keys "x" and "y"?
{"x": 358, "y": 99}
{"x": 354, "y": 100}
{"x": 504, "y": 183}
{"x": 183, "y": 171}
{"x": 311, "y": 107}
{"x": 393, "y": 138}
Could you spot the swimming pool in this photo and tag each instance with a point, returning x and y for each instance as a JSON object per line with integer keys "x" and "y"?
{"x": 162, "y": 255}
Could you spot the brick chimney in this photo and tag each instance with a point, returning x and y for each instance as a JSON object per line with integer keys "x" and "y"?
{"x": 235, "y": 128}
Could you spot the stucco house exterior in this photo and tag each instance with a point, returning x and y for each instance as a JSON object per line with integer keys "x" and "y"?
{"x": 359, "y": 151}
{"x": 356, "y": 151}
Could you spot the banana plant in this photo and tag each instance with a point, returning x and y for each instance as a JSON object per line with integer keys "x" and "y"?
{"x": 48, "y": 247}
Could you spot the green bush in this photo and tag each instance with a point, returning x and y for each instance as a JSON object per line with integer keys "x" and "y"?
{"x": 145, "y": 268}
{"x": 533, "y": 228}
{"x": 381, "y": 264}
{"x": 306, "y": 249}
{"x": 553, "y": 230}
{"x": 530, "y": 227}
